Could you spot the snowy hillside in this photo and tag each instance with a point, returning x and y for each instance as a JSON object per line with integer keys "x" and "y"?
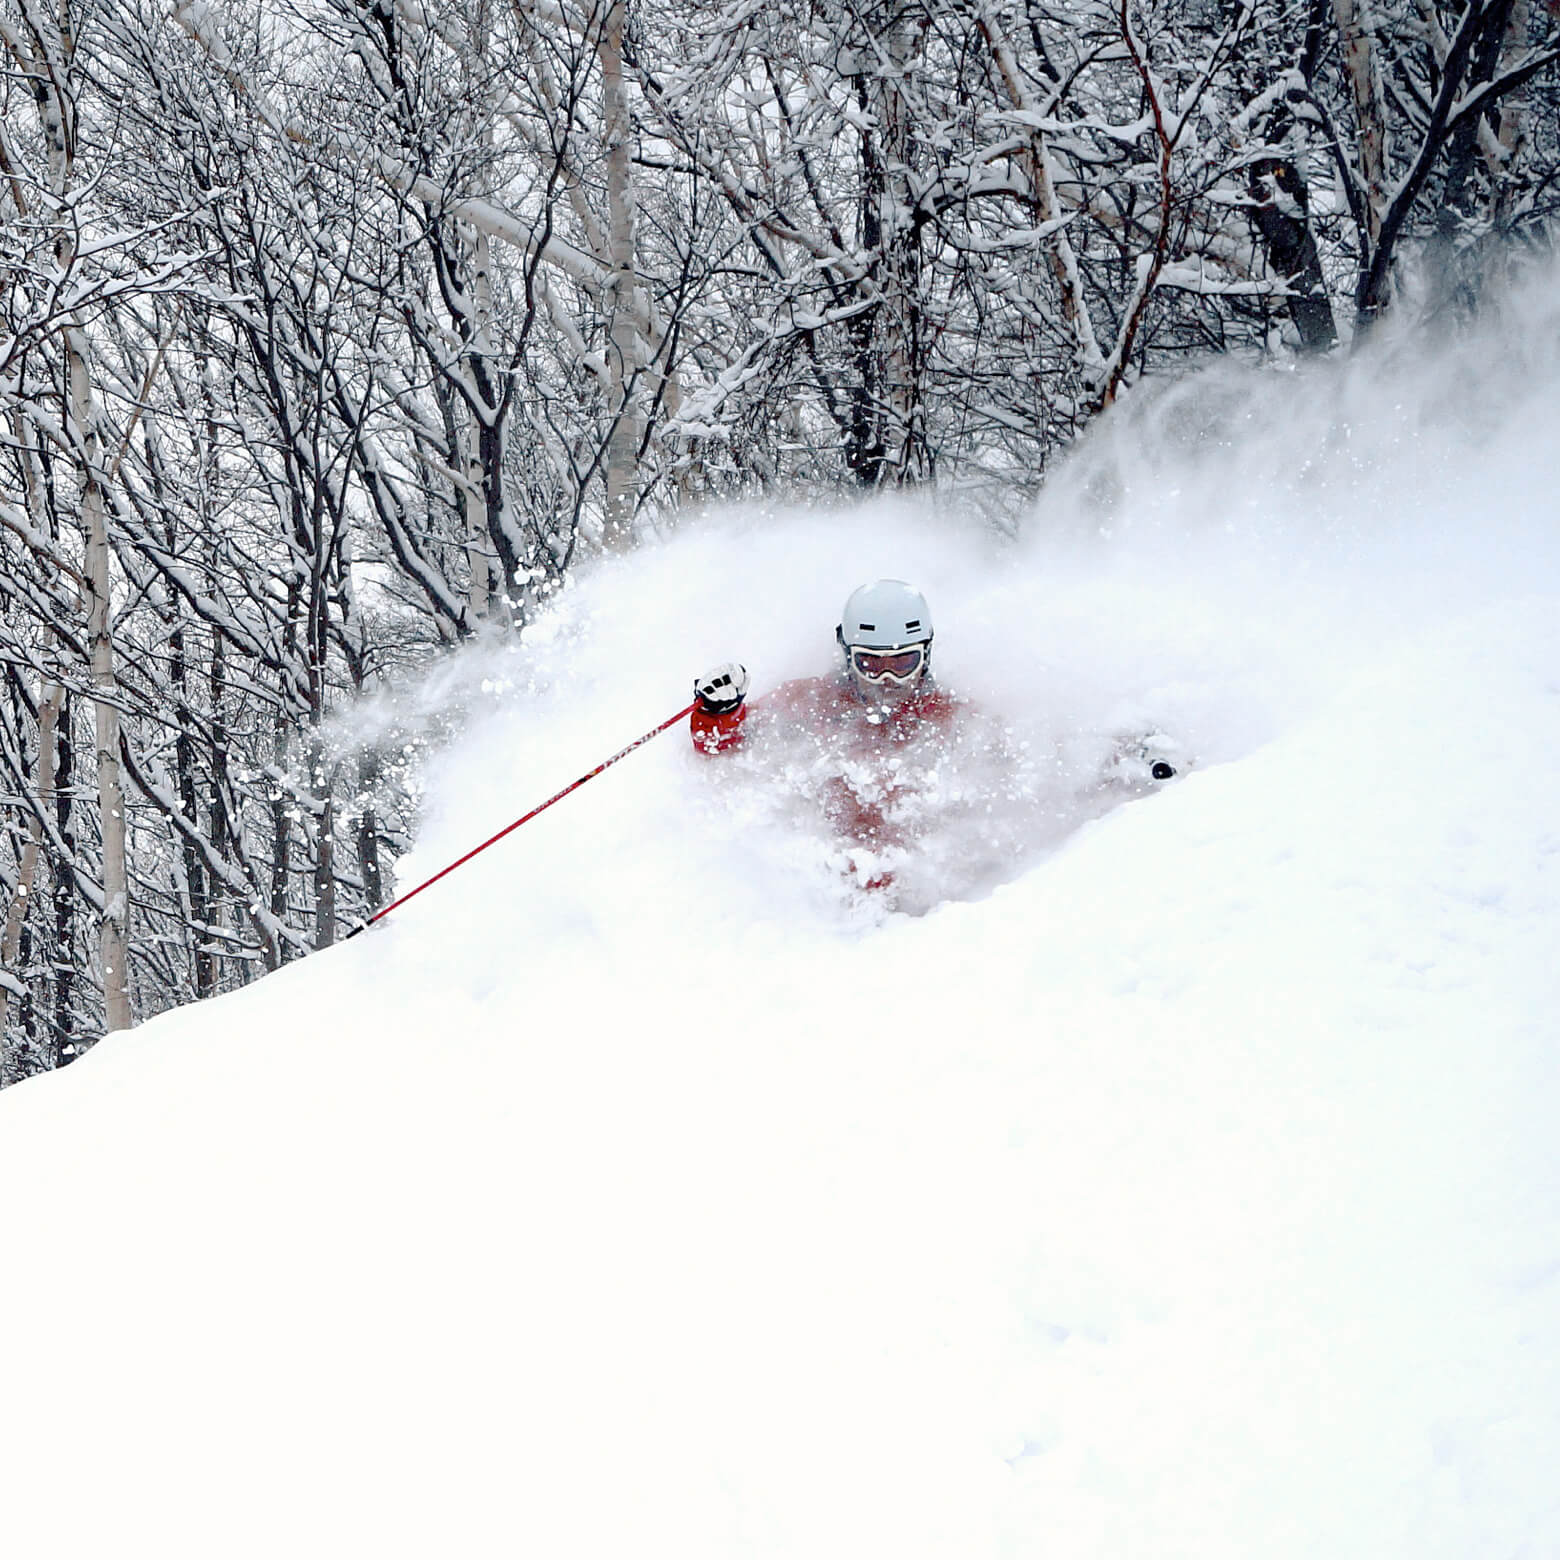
{"x": 1186, "y": 1184}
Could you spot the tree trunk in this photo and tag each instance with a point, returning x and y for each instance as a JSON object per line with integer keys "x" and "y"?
{"x": 367, "y": 831}
{"x": 198, "y": 906}
{"x": 216, "y": 799}
{"x": 277, "y": 948}
{"x": 1356, "y": 29}
{"x": 886, "y": 435}
{"x": 112, "y": 930}
{"x": 1511, "y": 134}
{"x": 54, "y": 81}
{"x": 623, "y": 357}
{"x": 62, "y": 1039}
{"x": 49, "y": 702}
{"x": 1281, "y": 214}
{"x": 325, "y": 848}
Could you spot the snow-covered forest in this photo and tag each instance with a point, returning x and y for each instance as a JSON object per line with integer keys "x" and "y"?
{"x": 337, "y": 336}
{"x": 1183, "y": 1186}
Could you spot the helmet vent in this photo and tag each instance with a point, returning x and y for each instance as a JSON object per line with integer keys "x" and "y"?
{"x": 870, "y": 628}
{"x": 914, "y": 623}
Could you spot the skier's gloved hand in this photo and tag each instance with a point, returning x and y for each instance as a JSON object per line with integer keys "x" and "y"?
{"x": 722, "y": 689}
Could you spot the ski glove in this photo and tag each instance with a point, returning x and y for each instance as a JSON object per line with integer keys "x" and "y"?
{"x": 722, "y": 689}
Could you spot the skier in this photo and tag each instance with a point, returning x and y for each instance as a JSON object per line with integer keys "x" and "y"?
{"x": 884, "y": 691}
{"x": 869, "y": 735}
{"x": 879, "y": 748}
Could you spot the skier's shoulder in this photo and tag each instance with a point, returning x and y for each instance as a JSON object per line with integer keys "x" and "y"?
{"x": 807, "y": 696}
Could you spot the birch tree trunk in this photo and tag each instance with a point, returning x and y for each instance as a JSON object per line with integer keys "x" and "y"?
{"x": 1512, "y": 133}
{"x": 62, "y": 1038}
{"x": 1356, "y": 25}
{"x": 51, "y": 697}
{"x": 56, "y": 83}
{"x": 112, "y": 927}
{"x": 904, "y": 339}
{"x": 482, "y": 428}
{"x": 627, "y": 429}
{"x": 473, "y": 510}
{"x": 325, "y": 859}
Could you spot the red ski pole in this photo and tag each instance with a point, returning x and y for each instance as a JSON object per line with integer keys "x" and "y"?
{"x": 412, "y": 893}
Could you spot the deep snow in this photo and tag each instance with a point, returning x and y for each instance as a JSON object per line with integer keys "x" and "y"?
{"x": 1188, "y": 1186}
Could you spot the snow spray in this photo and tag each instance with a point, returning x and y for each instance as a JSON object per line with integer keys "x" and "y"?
{"x": 412, "y": 893}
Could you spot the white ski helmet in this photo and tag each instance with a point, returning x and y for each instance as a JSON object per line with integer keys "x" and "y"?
{"x": 886, "y": 634}
{"x": 885, "y": 615}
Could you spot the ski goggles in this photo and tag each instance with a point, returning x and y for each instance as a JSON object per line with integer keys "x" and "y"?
{"x": 900, "y": 665}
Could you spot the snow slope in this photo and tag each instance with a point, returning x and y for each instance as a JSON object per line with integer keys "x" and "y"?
{"x": 1192, "y": 1192}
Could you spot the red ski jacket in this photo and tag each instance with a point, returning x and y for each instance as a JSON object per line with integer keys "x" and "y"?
{"x": 826, "y": 711}
{"x": 826, "y": 707}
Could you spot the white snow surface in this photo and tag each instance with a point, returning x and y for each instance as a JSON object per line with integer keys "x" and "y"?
{"x": 1189, "y": 1186}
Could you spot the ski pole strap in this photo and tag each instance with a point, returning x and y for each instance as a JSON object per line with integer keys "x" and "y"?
{"x": 638, "y": 742}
